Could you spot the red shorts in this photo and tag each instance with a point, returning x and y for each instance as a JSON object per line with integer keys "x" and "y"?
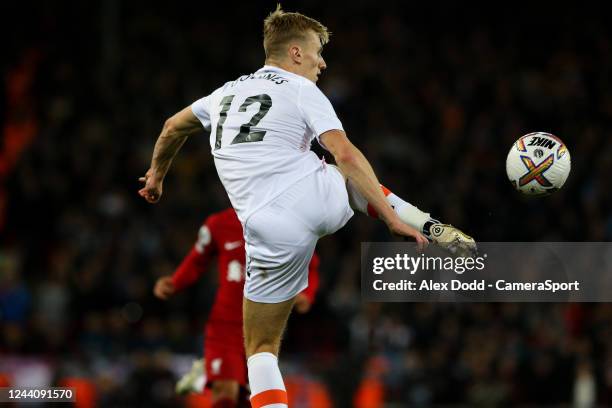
{"x": 225, "y": 360}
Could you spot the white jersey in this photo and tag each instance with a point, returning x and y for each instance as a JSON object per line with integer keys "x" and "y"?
{"x": 262, "y": 125}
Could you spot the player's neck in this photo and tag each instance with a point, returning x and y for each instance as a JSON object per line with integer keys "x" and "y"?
{"x": 287, "y": 66}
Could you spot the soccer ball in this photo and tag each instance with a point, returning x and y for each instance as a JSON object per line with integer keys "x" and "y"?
{"x": 538, "y": 164}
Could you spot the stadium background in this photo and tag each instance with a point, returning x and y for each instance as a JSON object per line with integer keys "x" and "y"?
{"x": 433, "y": 93}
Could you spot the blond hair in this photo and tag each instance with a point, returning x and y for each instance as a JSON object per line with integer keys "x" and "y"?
{"x": 281, "y": 27}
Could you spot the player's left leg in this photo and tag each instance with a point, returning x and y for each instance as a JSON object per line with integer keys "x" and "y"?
{"x": 225, "y": 394}
{"x": 280, "y": 240}
{"x": 264, "y": 324}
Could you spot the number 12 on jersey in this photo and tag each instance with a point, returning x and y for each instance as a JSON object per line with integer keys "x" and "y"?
{"x": 245, "y": 135}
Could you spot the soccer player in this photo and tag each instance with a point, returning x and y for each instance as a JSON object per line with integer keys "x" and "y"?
{"x": 261, "y": 126}
{"x": 224, "y": 358}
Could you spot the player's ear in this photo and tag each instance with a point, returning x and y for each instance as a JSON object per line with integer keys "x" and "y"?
{"x": 295, "y": 53}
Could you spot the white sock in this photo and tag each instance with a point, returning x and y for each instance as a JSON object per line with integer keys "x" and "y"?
{"x": 266, "y": 381}
{"x": 407, "y": 212}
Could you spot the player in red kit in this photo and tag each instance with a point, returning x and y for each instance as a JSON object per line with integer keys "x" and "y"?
{"x": 224, "y": 355}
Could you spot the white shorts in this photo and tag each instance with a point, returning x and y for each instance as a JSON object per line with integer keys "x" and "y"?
{"x": 281, "y": 237}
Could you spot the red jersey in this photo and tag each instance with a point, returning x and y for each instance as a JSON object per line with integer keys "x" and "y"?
{"x": 221, "y": 235}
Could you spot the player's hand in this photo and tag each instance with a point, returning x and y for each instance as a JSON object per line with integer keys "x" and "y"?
{"x": 405, "y": 230}
{"x": 152, "y": 189}
{"x": 302, "y": 303}
{"x": 164, "y": 288}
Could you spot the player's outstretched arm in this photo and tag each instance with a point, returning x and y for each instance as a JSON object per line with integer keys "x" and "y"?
{"x": 358, "y": 170}
{"x": 192, "y": 266}
{"x": 173, "y": 135}
{"x": 164, "y": 288}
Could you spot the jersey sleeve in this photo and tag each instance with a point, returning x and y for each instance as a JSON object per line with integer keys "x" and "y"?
{"x": 198, "y": 259}
{"x": 201, "y": 109}
{"x": 317, "y": 110}
{"x": 313, "y": 279}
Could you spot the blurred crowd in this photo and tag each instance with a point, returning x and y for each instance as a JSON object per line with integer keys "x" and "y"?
{"x": 433, "y": 95}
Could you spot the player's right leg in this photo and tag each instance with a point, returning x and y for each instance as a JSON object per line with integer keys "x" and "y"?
{"x": 194, "y": 380}
{"x": 449, "y": 236}
{"x": 225, "y": 367}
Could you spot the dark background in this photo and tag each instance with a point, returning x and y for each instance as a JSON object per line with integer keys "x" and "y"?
{"x": 434, "y": 94}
